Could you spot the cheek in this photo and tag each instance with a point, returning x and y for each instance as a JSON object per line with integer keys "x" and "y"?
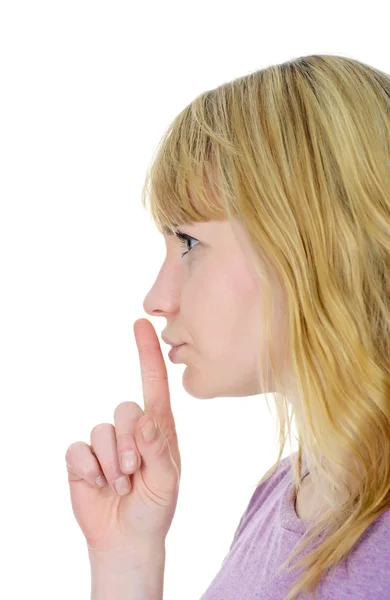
{"x": 204, "y": 294}
{"x": 219, "y": 305}
{"x": 206, "y": 306}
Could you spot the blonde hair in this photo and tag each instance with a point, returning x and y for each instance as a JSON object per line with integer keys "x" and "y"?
{"x": 299, "y": 154}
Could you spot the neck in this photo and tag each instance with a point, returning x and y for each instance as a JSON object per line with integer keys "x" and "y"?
{"x": 314, "y": 484}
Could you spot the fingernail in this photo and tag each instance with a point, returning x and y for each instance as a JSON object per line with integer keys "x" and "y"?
{"x": 122, "y": 485}
{"x": 129, "y": 461}
{"x": 149, "y": 430}
{"x": 101, "y": 481}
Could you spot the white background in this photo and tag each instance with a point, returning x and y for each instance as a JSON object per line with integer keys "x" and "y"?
{"x": 86, "y": 91}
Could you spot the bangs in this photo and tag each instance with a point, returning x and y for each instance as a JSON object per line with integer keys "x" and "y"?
{"x": 179, "y": 186}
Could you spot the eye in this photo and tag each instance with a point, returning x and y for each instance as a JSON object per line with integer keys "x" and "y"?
{"x": 184, "y": 238}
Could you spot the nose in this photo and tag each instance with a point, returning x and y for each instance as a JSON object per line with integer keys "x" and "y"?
{"x": 163, "y": 298}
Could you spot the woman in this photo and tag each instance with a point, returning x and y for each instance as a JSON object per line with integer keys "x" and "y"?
{"x": 277, "y": 185}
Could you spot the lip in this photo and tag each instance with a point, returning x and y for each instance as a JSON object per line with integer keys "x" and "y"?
{"x": 173, "y": 352}
{"x": 169, "y": 342}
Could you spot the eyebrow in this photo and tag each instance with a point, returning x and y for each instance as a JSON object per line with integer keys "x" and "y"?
{"x": 167, "y": 231}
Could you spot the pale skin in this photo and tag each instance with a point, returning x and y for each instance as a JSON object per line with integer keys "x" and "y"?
{"x": 210, "y": 299}
{"x": 118, "y": 522}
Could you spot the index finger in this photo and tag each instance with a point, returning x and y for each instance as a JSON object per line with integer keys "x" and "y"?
{"x": 155, "y": 384}
{"x": 153, "y": 369}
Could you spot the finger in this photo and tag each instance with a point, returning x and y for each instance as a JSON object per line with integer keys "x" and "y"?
{"x": 83, "y": 464}
{"x": 126, "y": 416}
{"x": 153, "y": 369}
{"x": 159, "y": 469}
{"x": 155, "y": 383}
{"x": 103, "y": 441}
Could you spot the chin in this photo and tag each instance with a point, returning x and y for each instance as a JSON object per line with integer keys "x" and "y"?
{"x": 193, "y": 387}
{"x": 193, "y": 380}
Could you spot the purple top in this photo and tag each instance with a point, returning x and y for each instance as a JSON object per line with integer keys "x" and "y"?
{"x": 270, "y": 529}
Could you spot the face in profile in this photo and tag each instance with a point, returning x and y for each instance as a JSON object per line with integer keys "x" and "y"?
{"x": 211, "y": 299}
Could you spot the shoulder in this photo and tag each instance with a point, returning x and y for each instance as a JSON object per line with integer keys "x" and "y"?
{"x": 373, "y": 548}
{"x": 368, "y": 564}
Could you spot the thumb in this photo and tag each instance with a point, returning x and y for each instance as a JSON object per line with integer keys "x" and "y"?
{"x": 160, "y": 470}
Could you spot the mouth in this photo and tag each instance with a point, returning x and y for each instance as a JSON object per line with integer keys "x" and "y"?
{"x": 169, "y": 343}
{"x": 173, "y": 351}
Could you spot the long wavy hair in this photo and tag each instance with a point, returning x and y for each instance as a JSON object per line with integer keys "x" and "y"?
{"x": 299, "y": 154}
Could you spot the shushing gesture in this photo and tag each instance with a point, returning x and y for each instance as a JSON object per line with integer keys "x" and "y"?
{"x": 112, "y": 519}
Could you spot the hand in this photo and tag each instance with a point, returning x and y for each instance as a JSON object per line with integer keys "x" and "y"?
{"x": 144, "y": 515}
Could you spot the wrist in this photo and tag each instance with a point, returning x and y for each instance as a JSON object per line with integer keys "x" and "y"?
{"x": 128, "y": 573}
{"x": 135, "y": 553}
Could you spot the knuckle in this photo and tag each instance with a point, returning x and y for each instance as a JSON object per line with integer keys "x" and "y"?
{"x": 125, "y": 443}
{"x": 88, "y": 469}
{"x": 100, "y": 427}
{"x": 155, "y": 375}
{"x": 163, "y": 446}
{"x": 126, "y": 407}
{"x": 111, "y": 472}
{"x": 172, "y": 432}
{"x": 72, "y": 449}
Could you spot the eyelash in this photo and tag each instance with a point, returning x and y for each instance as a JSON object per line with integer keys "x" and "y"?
{"x": 184, "y": 238}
